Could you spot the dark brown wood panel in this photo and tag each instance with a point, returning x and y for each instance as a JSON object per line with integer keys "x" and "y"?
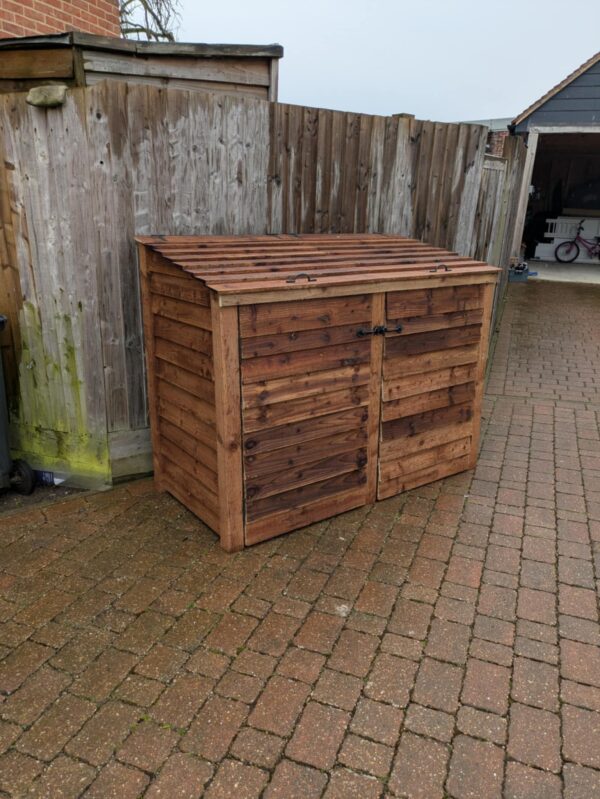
{"x": 273, "y": 344}
{"x": 424, "y": 422}
{"x": 440, "y": 398}
{"x": 274, "y": 318}
{"x": 295, "y": 363}
{"x": 431, "y": 341}
{"x": 428, "y": 302}
{"x": 304, "y": 385}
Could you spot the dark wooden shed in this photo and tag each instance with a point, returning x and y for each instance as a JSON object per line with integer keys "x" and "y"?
{"x": 295, "y": 377}
{"x": 82, "y": 59}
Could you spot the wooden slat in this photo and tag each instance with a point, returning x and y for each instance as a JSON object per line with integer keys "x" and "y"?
{"x": 430, "y": 361}
{"x": 306, "y": 494}
{"x": 319, "y": 427}
{"x": 294, "y": 410}
{"x": 426, "y": 421}
{"x": 185, "y": 335}
{"x": 195, "y": 448}
{"x": 488, "y": 300}
{"x": 302, "y": 515}
{"x": 302, "y": 453}
{"x": 181, "y": 287}
{"x": 441, "y": 398}
{"x": 303, "y": 475}
{"x": 272, "y": 344}
{"x": 184, "y": 357}
{"x": 396, "y": 388}
{"x": 376, "y": 361}
{"x": 398, "y": 448}
{"x": 265, "y": 319}
{"x": 431, "y": 341}
{"x": 445, "y": 469}
{"x": 26, "y": 64}
{"x": 433, "y": 301}
{"x": 425, "y": 459}
{"x": 191, "y": 382}
{"x": 191, "y": 425}
{"x": 204, "y": 478}
{"x": 186, "y": 312}
{"x": 420, "y": 324}
{"x": 169, "y": 394}
{"x": 316, "y": 360}
{"x": 267, "y": 392}
{"x": 229, "y": 425}
{"x": 183, "y": 487}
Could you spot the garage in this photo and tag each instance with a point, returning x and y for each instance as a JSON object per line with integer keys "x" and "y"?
{"x": 560, "y": 193}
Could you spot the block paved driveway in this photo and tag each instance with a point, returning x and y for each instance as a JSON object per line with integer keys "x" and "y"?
{"x": 440, "y": 644}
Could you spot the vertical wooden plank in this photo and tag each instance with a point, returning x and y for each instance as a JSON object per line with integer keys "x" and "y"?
{"x": 143, "y": 255}
{"x": 225, "y": 327}
{"x": 488, "y": 301}
{"x": 273, "y": 80}
{"x": 532, "y": 143}
{"x": 376, "y": 376}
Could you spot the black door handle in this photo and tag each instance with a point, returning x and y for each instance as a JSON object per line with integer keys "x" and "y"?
{"x": 378, "y": 330}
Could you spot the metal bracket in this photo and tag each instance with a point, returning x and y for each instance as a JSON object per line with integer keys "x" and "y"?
{"x": 444, "y": 267}
{"x": 301, "y": 274}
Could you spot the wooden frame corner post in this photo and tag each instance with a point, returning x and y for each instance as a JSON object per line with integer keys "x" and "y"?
{"x": 484, "y": 346}
{"x": 226, "y": 354}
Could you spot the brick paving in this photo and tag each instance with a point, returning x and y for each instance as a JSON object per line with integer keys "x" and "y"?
{"x": 444, "y": 643}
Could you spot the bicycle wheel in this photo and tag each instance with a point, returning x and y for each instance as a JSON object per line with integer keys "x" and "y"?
{"x": 567, "y": 252}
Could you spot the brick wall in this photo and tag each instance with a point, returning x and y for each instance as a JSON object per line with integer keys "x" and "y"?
{"x": 495, "y": 142}
{"x": 32, "y": 17}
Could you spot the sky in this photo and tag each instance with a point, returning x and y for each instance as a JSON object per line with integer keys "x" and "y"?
{"x": 447, "y": 60}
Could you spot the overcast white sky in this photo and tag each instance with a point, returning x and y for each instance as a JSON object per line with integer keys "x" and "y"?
{"x": 438, "y": 59}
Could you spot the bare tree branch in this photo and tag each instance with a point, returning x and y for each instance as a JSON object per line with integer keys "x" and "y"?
{"x": 154, "y": 20}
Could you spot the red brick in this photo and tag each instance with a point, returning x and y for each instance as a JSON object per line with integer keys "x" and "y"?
{"x": 523, "y": 782}
{"x": 63, "y": 779}
{"x": 464, "y": 571}
{"x": 581, "y": 782}
{"x": 536, "y": 606}
{"x": 101, "y": 735}
{"x": 34, "y": 696}
{"x": 104, "y": 674}
{"x": 581, "y": 736}
{"x": 346, "y": 784}
{"x": 579, "y": 602}
{"x": 117, "y": 781}
{"x": 376, "y": 598}
{"x": 432, "y": 723}
{"x": 476, "y": 769}
{"x": 497, "y": 602}
{"x": 319, "y": 632}
{"x": 419, "y": 769}
{"x": 438, "y": 685}
{"x": 279, "y": 705}
{"x": 161, "y": 663}
{"x": 486, "y": 686}
{"x": 58, "y": 724}
{"x": 274, "y": 634}
{"x": 534, "y": 737}
{"x": 189, "y": 630}
{"x": 478, "y": 724}
{"x": 340, "y": 690}
{"x": 391, "y": 680}
{"x": 183, "y": 776}
{"x": 580, "y": 662}
{"x": 17, "y": 773}
{"x": 236, "y": 779}
{"x": 301, "y": 664}
{"x": 353, "y": 653}
{"x": 535, "y": 684}
{"x": 448, "y": 640}
{"x": 214, "y": 728}
{"x": 293, "y": 781}
{"x": 307, "y": 584}
{"x": 231, "y": 633}
{"x": 255, "y": 746}
{"x": 378, "y": 721}
{"x": 318, "y": 735}
{"x": 181, "y": 700}
{"x": 363, "y": 755}
{"x": 410, "y": 619}
{"x": 21, "y": 662}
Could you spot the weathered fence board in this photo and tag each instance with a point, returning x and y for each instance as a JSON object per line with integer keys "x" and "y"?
{"x": 78, "y": 182}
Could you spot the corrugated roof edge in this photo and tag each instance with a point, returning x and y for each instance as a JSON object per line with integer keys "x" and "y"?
{"x": 112, "y": 43}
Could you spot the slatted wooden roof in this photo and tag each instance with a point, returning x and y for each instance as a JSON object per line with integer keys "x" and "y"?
{"x": 251, "y": 264}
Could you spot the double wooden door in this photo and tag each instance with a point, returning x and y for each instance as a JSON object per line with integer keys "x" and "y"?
{"x": 350, "y": 399}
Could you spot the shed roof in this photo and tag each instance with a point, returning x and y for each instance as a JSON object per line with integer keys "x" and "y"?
{"x": 591, "y": 62}
{"x": 243, "y": 265}
{"x": 134, "y": 47}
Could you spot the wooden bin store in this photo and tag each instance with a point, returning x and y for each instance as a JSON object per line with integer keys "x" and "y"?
{"x": 295, "y": 377}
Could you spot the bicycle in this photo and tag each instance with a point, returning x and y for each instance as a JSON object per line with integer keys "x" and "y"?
{"x": 568, "y": 251}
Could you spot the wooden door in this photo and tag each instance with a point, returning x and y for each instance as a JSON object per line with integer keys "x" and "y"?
{"x": 307, "y": 383}
{"x": 432, "y": 383}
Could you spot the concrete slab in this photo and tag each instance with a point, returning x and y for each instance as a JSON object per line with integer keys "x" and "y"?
{"x": 565, "y": 273}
